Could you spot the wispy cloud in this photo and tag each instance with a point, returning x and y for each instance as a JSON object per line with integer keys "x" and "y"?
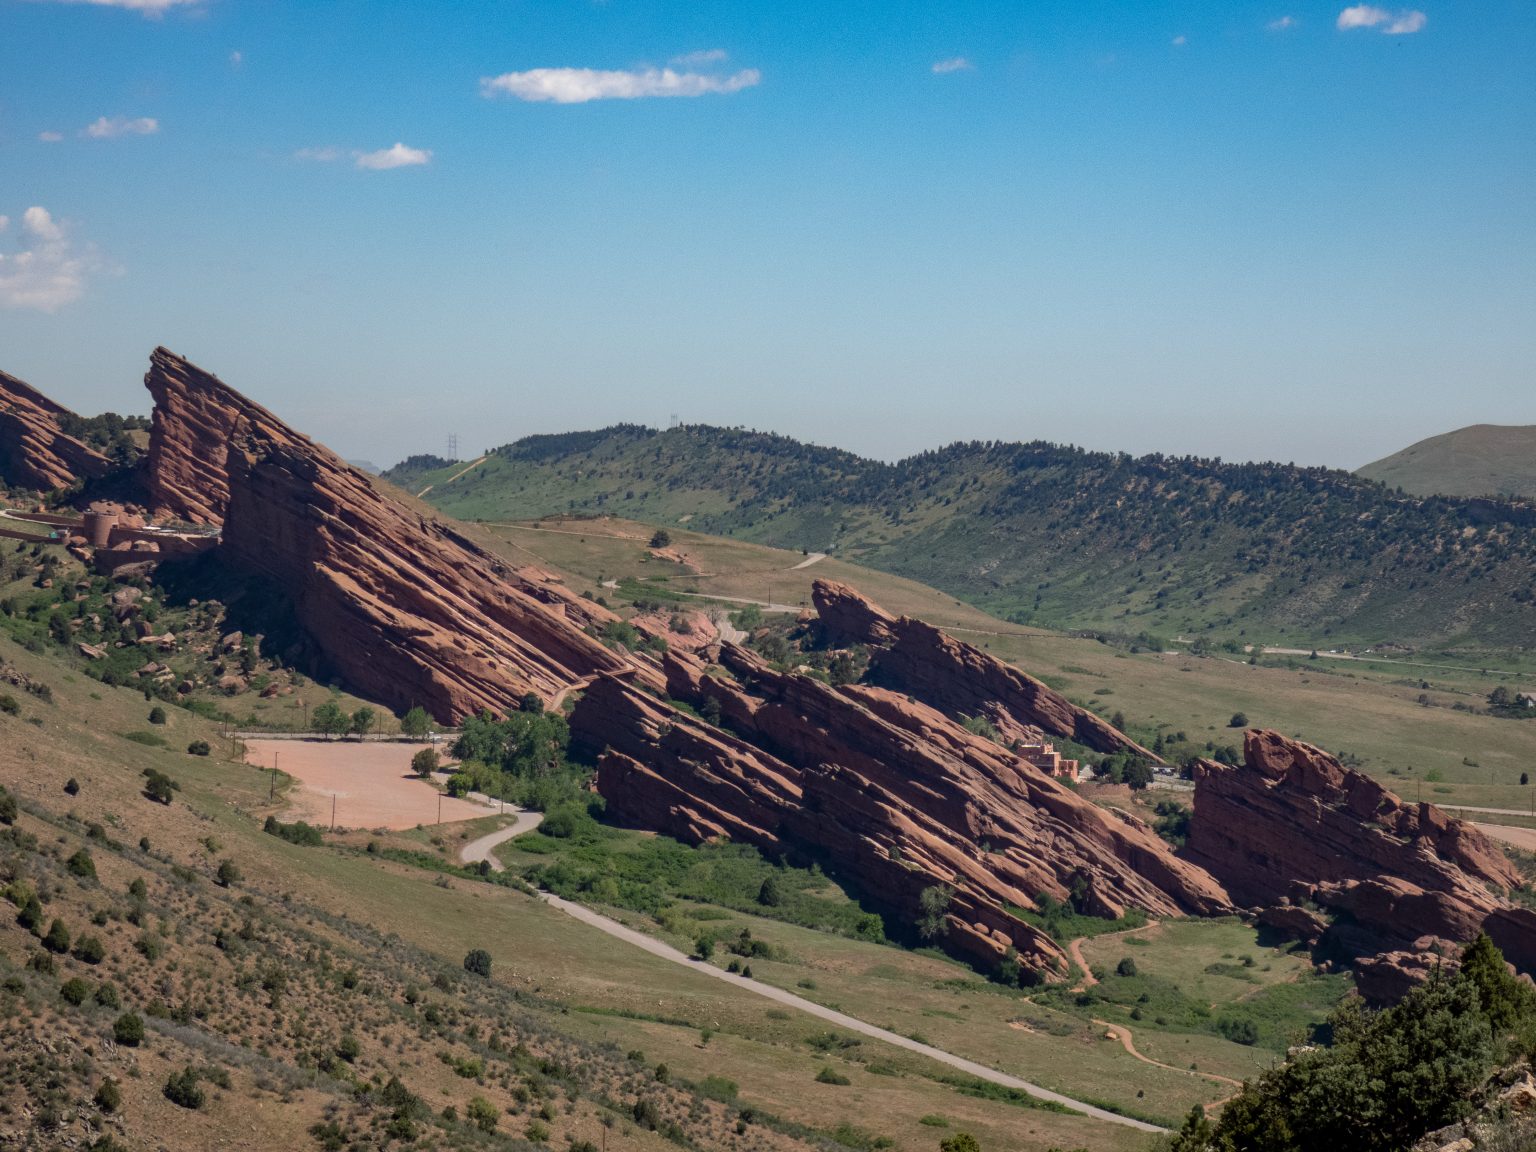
{"x": 398, "y": 156}
{"x": 150, "y": 8}
{"x": 1404, "y": 22}
{"x": 236, "y": 58}
{"x": 106, "y": 127}
{"x": 50, "y": 137}
{"x": 1281, "y": 24}
{"x": 46, "y": 270}
{"x": 953, "y": 64}
{"x": 581, "y": 85}
{"x": 319, "y": 155}
{"x": 1180, "y": 41}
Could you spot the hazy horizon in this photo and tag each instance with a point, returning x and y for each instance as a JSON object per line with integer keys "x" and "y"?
{"x": 1290, "y": 231}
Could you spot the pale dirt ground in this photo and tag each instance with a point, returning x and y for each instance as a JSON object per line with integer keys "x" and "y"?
{"x": 1519, "y": 837}
{"x": 372, "y": 784}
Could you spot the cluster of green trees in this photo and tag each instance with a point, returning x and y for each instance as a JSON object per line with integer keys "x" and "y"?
{"x": 331, "y": 719}
{"x": 518, "y": 757}
{"x": 1389, "y": 1076}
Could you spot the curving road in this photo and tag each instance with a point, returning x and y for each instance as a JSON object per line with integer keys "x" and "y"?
{"x": 481, "y": 849}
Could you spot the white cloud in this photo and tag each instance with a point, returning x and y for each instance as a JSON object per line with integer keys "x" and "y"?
{"x": 580, "y": 85}
{"x": 1401, "y": 23}
{"x": 1180, "y": 41}
{"x": 1281, "y": 24}
{"x": 1407, "y": 23}
{"x": 398, "y": 156}
{"x": 699, "y": 59}
{"x": 236, "y": 58}
{"x": 50, "y": 137}
{"x": 49, "y": 271}
{"x": 150, "y": 8}
{"x": 953, "y": 64}
{"x": 5, "y": 222}
{"x": 319, "y": 155}
{"x": 105, "y": 127}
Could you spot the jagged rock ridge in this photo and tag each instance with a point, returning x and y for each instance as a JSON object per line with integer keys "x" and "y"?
{"x": 916, "y": 658}
{"x": 406, "y": 609}
{"x": 1292, "y": 826}
{"x": 34, "y": 451}
{"x": 891, "y": 792}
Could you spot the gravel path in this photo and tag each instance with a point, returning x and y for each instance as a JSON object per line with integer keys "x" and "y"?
{"x": 480, "y": 849}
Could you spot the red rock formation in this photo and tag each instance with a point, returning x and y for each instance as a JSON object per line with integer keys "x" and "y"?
{"x": 34, "y": 451}
{"x": 891, "y": 793}
{"x": 405, "y": 608}
{"x": 960, "y": 679}
{"x": 1293, "y": 822}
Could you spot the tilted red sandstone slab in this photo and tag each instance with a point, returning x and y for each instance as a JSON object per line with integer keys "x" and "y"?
{"x": 958, "y": 678}
{"x": 407, "y": 609}
{"x": 1293, "y": 823}
{"x": 895, "y": 795}
{"x": 34, "y": 451}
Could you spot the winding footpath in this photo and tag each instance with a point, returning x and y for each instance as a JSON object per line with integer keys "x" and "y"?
{"x": 483, "y": 848}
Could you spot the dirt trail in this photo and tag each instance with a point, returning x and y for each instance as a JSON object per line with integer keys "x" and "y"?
{"x": 1074, "y": 948}
{"x": 451, "y": 479}
{"x": 1123, "y": 1034}
{"x": 482, "y": 849}
{"x": 813, "y": 558}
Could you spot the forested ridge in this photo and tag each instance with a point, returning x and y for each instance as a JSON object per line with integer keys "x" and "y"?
{"x": 1060, "y": 536}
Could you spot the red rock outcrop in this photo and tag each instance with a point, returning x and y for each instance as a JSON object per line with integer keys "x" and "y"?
{"x": 960, "y": 679}
{"x": 889, "y": 792}
{"x": 405, "y": 608}
{"x": 34, "y": 451}
{"x": 1293, "y": 823}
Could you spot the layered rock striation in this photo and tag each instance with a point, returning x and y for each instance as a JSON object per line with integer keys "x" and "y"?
{"x": 891, "y": 793}
{"x": 1293, "y": 826}
{"x": 406, "y": 609}
{"x": 34, "y": 451}
{"x": 958, "y": 678}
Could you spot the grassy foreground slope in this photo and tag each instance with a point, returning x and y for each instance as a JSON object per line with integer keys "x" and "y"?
{"x": 1480, "y": 460}
{"x": 318, "y": 994}
{"x": 1039, "y": 533}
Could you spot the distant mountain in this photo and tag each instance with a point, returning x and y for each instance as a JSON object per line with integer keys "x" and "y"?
{"x": 1059, "y": 536}
{"x": 1482, "y": 460}
{"x": 367, "y": 466}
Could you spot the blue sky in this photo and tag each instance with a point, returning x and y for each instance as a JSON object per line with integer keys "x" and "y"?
{"x": 1296, "y": 231}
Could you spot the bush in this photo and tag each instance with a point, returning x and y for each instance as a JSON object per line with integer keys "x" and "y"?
{"x": 199, "y": 748}
{"x": 9, "y": 706}
{"x": 959, "y": 1142}
{"x": 483, "y": 1114}
{"x": 830, "y": 1075}
{"x": 770, "y": 894}
{"x": 229, "y": 873}
{"x": 425, "y": 762}
{"x": 478, "y": 961}
{"x": 90, "y": 950}
{"x": 1126, "y": 967}
{"x": 157, "y": 715}
{"x": 128, "y": 1029}
{"x": 8, "y": 810}
{"x": 106, "y": 996}
{"x": 72, "y": 786}
{"x": 182, "y": 1088}
{"x": 81, "y": 865}
{"x": 349, "y": 1049}
{"x": 661, "y": 538}
{"x": 109, "y": 1098}
{"x": 305, "y": 835}
{"x": 159, "y": 787}
{"x": 57, "y": 939}
{"x": 31, "y": 915}
{"x": 75, "y": 991}
{"x": 1239, "y": 720}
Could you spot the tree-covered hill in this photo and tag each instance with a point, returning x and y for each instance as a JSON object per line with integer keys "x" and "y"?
{"x": 1060, "y": 536}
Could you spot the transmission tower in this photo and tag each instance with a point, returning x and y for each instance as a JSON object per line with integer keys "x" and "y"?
{"x": 453, "y": 445}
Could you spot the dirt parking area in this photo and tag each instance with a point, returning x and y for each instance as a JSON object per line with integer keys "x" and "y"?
{"x": 1518, "y": 837}
{"x": 371, "y": 783}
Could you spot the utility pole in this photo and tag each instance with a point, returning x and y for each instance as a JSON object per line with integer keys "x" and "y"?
{"x": 272, "y": 791}
{"x": 439, "y": 807}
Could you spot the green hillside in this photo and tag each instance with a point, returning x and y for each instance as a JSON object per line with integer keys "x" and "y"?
{"x": 1481, "y": 460}
{"x": 1058, "y": 536}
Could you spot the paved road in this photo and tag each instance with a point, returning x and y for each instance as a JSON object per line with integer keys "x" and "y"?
{"x": 1491, "y": 811}
{"x": 1518, "y": 837}
{"x": 813, "y": 558}
{"x": 477, "y": 850}
{"x": 481, "y": 850}
{"x": 768, "y": 605}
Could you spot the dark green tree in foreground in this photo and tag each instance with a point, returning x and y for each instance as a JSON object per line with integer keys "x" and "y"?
{"x": 1389, "y": 1076}
{"x": 478, "y": 961}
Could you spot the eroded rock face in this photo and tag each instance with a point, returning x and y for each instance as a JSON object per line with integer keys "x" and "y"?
{"x": 958, "y": 678}
{"x": 406, "y": 609}
{"x": 34, "y": 451}
{"x": 1293, "y": 823}
{"x": 892, "y": 793}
